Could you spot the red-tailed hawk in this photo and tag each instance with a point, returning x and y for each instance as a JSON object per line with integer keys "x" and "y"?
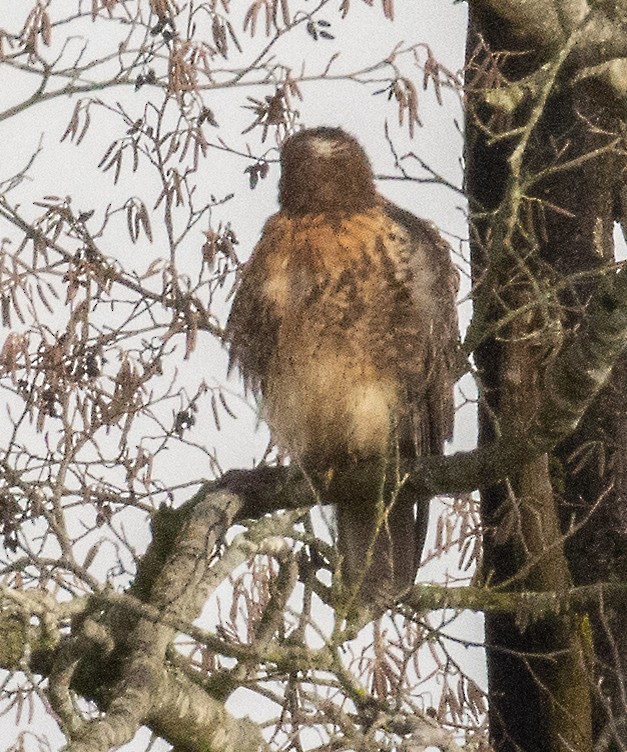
{"x": 345, "y": 323}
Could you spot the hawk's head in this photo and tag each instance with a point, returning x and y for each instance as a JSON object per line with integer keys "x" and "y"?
{"x": 325, "y": 170}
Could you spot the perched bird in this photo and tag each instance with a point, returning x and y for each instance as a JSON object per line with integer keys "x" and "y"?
{"x": 345, "y": 323}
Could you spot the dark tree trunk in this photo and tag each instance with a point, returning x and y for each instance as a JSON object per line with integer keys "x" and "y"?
{"x": 564, "y": 227}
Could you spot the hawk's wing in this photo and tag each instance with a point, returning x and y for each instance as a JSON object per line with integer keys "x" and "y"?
{"x": 436, "y": 279}
{"x": 253, "y": 325}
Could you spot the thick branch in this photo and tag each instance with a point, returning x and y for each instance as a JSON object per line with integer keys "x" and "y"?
{"x": 533, "y": 603}
{"x": 421, "y": 597}
{"x": 149, "y": 692}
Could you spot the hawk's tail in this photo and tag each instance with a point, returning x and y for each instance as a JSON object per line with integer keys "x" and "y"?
{"x": 380, "y": 537}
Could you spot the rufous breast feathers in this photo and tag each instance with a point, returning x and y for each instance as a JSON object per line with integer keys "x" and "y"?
{"x": 351, "y": 302}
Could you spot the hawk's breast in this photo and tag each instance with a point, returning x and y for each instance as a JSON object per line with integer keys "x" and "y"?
{"x": 352, "y": 333}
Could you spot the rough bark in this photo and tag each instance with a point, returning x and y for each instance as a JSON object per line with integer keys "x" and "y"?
{"x": 540, "y": 678}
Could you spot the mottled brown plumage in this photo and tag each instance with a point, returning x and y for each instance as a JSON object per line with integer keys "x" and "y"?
{"x": 345, "y": 323}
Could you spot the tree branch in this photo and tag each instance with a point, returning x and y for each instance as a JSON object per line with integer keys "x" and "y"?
{"x": 149, "y": 692}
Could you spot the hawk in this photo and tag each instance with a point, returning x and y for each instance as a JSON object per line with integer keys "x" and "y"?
{"x": 344, "y": 322}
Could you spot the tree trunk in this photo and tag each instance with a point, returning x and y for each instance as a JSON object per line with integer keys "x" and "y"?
{"x": 543, "y": 690}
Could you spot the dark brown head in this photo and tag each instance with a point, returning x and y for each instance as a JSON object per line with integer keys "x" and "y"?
{"x": 325, "y": 170}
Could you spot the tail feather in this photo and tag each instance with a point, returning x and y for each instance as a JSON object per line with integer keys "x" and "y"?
{"x": 380, "y": 537}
